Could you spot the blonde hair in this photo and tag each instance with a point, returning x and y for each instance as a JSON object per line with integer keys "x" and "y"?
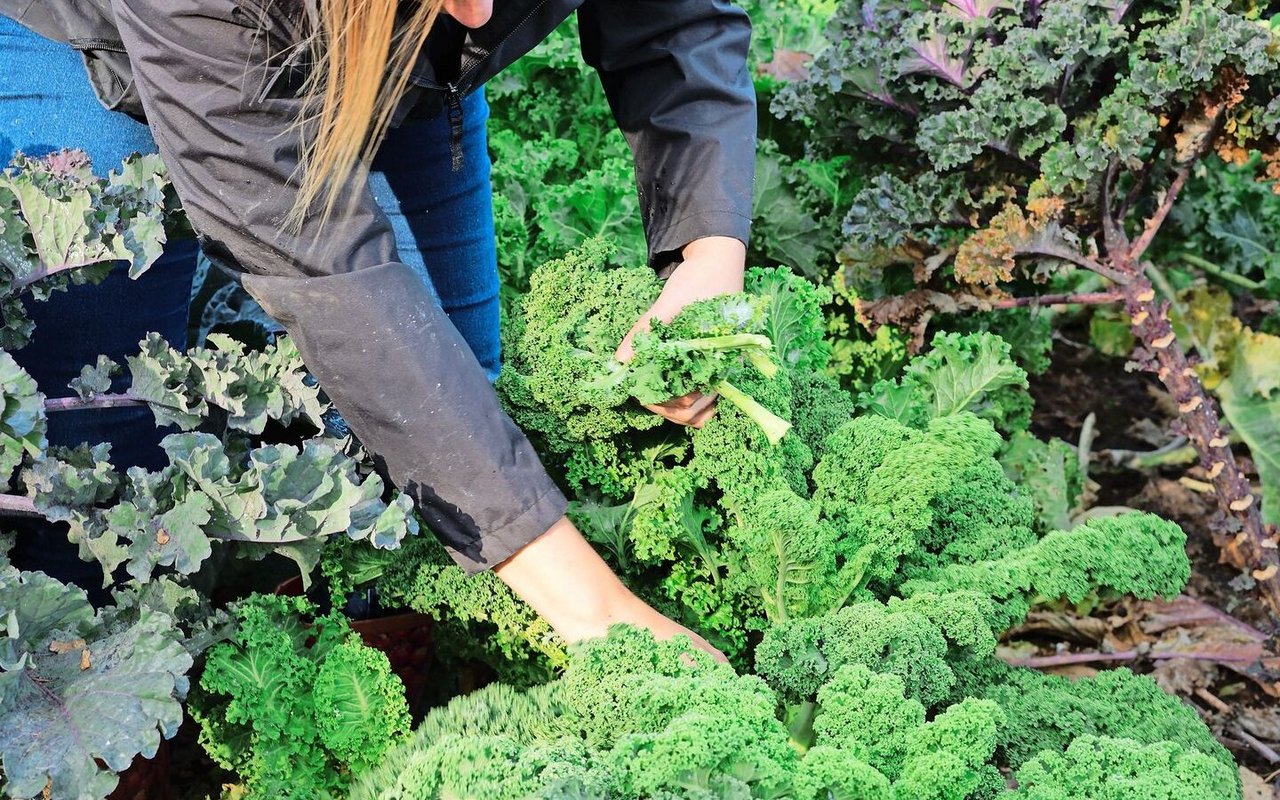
{"x": 365, "y": 54}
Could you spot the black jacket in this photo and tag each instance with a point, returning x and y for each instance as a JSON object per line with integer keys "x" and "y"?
{"x": 217, "y": 82}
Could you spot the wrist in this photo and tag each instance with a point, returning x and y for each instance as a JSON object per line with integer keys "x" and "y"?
{"x": 718, "y": 248}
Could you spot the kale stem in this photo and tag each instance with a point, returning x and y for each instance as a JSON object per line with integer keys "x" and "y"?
{"x": 774, "y": 427}
{"x": 734, "y": 341}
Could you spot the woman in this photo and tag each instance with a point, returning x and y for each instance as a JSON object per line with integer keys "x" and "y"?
{"x": 264, "y": 112}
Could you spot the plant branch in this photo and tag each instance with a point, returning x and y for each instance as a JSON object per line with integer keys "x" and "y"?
{"x": 1238, "y": 529}
{"x": 1084, "y": 299}
{"x": 15, "y": 505}
{"x": 1152, "y": 226}
{"x": 1176, "y": 452}
{"x": 1080, "y": 260}
{"x": 1220, "y": 273}
{"x": 1065, "y": 659}
{"x": 97, "y": 401}
{"x": 1113, "y": 235}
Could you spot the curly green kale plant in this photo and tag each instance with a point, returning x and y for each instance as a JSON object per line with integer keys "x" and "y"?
{"x": 696, "y": 351}
{"x": 632, "y": 718}
{"x": 721, "y": 527}
{"x": 1014, "y": 143}
{"x": 296, "y": 703}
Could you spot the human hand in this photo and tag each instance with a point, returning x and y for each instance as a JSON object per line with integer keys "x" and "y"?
{"x": 712, "y": 266}
{"x": 562, "y": 577}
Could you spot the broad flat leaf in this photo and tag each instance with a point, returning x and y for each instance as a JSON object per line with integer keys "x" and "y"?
{"x": 784, "y": 231}
{"x": 1255, "y": 415}
{"x": 32, "y": 607}
{"x": 1243, "y": 368}
{"x": 966, "y": 375}
{"x": 175, "y": 538}
{"x": 71, "y": 481}
{"x": 250, "y": 386}
{"x": 22, "y": 417}
{"x": 74, "y": 219}
{"x": 71, "y": 704}
{"x": 962, "y": 372}
{"x": 160, "y": 380}
{"x": 794, "y": 321}
{"x": 1048, "y": 473}
{"x": 355, "y": 686}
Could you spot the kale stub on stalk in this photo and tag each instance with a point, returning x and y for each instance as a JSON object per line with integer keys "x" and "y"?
{"x": 1013, "y": 146}
{"x": 699, "y": 350}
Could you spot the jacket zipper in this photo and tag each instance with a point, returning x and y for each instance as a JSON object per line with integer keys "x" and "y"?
{"x": 454, "y": 102}
{"x": 455, "y": 91}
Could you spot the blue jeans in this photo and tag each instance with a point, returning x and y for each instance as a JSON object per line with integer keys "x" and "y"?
{"x": 443, "y": 220}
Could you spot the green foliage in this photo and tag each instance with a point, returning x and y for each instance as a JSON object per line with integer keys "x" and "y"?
{"x": 923, "y": 643}
{"x": 248, "y": 387}
{"x": 633, "y": 718}
{"x": 22, "y": 420}
{"x": 1226, "y": 226}
{"x": 630, "y": 718}
{"x": 1048, "y": 712}
{"x": 499, "y": 627}
{"x": 296, "y": 703}
{"x": 961, "y": 372}
{"x": 276, "y": 495}
{"x": 557, "y": 341}
{"x": 1118, "y": 769}
{"x": 1136, "y": 553}
{"x": 562, "y": 172}
{"x": 81, "y": 692}
{"x": 793, "y": 317}
{"x": 57, "y": 219}
{"x": 1242, "y": 367}
{"x": 1049, "y": 473}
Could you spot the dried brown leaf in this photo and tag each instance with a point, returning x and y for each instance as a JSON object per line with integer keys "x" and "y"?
{"x": 787, "y": 65}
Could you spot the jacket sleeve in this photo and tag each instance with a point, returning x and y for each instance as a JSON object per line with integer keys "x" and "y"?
{"x": 384, "y": 351}
{"x": 675, "y": 73}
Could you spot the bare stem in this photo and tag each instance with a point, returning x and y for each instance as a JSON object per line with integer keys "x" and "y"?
{"x": 1220, "y": 273}
{"x": 14, "y": 505}
{"x": 1239, "y": 531}
{"x": 98, "y": 401}
{"x": 1084, "y": 299}
{"x": 1152, "y": 226}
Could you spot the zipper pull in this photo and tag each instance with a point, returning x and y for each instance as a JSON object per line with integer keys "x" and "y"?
{"x": 454, "y": 101}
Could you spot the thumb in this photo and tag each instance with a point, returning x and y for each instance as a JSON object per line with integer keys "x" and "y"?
{"x": 626, "y": 351}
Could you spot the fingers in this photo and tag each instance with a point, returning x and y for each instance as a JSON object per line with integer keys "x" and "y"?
{"x": 692, "y": 410}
